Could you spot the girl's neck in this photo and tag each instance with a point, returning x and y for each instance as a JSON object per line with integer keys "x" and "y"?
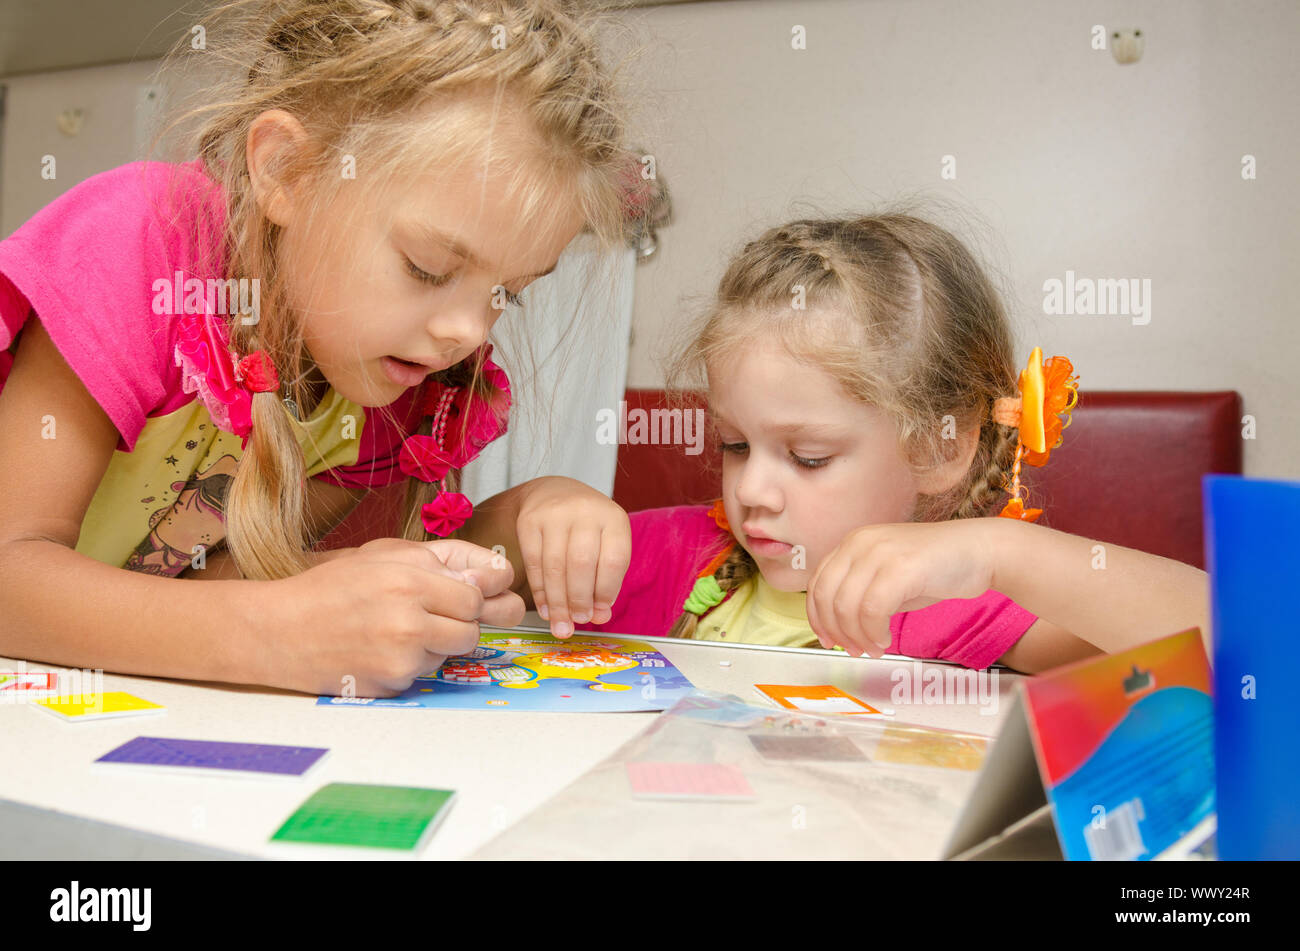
{"x": 316, "y": 387}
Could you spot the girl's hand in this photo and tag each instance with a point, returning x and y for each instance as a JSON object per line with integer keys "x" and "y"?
{"x": 370, "y": 620}
{"x": 879, "y": 570}
{"x": 576, "y": 545}
{"x": 487, "y": 570}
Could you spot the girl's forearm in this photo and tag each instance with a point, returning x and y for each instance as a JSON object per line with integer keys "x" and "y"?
{"x": 1111, "y": 596}
{"x": 61, "y": 607}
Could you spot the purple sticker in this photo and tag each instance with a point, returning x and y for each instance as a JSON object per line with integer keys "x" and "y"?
{"x": 211, "y": 754}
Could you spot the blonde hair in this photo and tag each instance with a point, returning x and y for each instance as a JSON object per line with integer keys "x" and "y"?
{"x": 901, "y": 314}
{"x": 358, "y": 75}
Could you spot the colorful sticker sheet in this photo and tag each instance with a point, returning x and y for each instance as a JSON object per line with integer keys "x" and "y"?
{"x": 514, "y": 670}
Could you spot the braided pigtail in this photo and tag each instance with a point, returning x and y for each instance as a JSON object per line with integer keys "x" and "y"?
{"x": 728, "y": 570}
{"x": 711, "y": 588}
{"x": 991, "y": 470}
{"x": 266, "y": 525}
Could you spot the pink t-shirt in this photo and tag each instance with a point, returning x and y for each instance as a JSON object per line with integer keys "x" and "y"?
{"x": 108, "y": 268}
{"x": 87, "y": 264}
{"x": 670, "y": 546}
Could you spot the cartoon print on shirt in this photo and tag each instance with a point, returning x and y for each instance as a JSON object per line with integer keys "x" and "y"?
{"x": 197, "y": 517}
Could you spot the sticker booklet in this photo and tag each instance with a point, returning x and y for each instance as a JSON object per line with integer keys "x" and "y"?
{"x": 521, "y": 670}
{"x": 1115, "y": 753}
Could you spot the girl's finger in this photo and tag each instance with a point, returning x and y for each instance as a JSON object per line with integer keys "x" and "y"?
{"x": 448, "y": 599}
{"x": 502, "y": 610}
{"x": 844, "y": 610}
{"x": 909, "y": 595}
{"x": 814, "y": 619}
{"x": 824, "y": 591}
{"x": 530, "y": 550}
{"x": 615, "y": 556}
{"x": 555, "y": 547}
{"x": 444, "y": 597}
{"x": 464, "y": 555}
{"x": 408, "y": 553}
{"x": 878, "y": 604}
{"x": 581, "y": 561}
{"x": 449, "y": 638}
{"x": 435, "y": 661}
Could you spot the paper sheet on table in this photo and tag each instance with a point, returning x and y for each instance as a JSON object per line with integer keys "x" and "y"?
{"x": 825, "y": 788}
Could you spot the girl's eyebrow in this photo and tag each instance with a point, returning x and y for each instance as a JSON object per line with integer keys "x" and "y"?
{"x": 805, "y": 429}
{"x": 824, "y": 430}
{"x": 434, "y": 236}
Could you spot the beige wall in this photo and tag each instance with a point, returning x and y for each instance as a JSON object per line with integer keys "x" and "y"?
{"x": 1067, "y": 160}
{"x": 106, "y": 95}
{"x": 1071, "y": 160}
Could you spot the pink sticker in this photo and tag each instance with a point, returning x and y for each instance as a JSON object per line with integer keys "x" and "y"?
{"x": 688, "y": 781}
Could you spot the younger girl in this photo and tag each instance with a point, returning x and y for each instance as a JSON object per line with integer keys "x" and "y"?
{"x": 861, "y": 379}
{"x": 209, "y": 364}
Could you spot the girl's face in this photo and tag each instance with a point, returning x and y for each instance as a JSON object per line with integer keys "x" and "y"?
{"x": 803, "y": 463}
{"x": 406, "y": 286}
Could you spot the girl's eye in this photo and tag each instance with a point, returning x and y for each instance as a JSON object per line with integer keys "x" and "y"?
{"x": 733, "y": 446}
{"x": 810, "y": 463}
{"x": 437, "y": 280}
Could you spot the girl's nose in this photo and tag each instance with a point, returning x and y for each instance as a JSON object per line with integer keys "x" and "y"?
{"x": 756, "y": 489}
{"x": 464, "y": 325}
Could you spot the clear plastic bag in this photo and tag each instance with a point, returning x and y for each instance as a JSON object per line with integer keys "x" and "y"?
{"x": 825, "y": 787}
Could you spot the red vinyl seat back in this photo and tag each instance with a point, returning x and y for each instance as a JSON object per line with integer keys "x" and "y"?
{"x": 652, "y": 475}
{"x": 1128, "y": 473}
{"x": 1129, "y": 470}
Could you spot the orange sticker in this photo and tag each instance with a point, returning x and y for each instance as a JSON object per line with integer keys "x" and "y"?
{"x": 820, "y": 699}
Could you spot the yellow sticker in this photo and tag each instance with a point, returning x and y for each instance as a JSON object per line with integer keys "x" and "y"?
{"x": 96, "y": 706}
{"x": 929, "y": 749}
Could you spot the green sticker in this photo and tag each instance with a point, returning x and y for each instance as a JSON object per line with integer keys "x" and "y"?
{"x": 377, "y": 817}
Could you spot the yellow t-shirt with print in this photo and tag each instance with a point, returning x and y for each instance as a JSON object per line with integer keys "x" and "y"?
{"x": 757, "y": 613}
{"x": 156, "y": 504}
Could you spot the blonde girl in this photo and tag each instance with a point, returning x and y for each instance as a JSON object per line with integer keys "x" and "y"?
{"x": 210, "y": 363}
{"x": 867, "y": 401}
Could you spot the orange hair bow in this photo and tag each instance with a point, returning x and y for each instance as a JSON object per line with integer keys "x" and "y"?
{"x": 1049, "y": 390}
{"x": 719, "y": 515}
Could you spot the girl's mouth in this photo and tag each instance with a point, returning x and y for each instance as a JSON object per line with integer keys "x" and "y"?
{"x": 405, "y": 373}
{"x": 768, "y": 547}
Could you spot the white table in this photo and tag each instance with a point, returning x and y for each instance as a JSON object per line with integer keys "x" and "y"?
{"x": 502, "y": 763}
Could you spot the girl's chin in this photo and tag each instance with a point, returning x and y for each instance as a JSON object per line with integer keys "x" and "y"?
{"x": 785, "y": 578}
{"x": 368, "y": 390}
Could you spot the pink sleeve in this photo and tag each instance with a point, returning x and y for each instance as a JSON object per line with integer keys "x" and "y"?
{"x": 970, "y": 631}
{"x": 385, "y": 429}
{"x": 669, "y": 547}
{"x": 86, "y": 266}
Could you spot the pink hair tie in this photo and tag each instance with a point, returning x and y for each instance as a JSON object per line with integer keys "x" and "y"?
{"x": 446, "y": 513}
{"x": 257, "y": 373}
{"x": 462, "y": 426}
{"x": 422, "y": 458}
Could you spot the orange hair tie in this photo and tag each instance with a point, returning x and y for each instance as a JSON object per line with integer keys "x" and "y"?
{"x": 1049, "y": 390}
{"x": 719, "y": 516}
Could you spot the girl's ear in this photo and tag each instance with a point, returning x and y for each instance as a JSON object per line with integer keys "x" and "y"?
{"x": 275, "y": 138}
{"x": 941, "y": 478}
